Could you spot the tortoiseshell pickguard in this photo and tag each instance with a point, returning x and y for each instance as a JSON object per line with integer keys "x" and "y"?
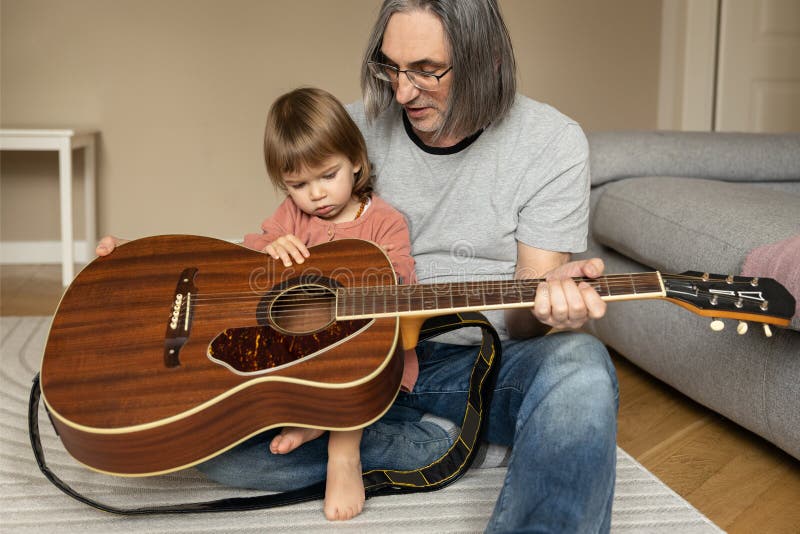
{"x": 259, "y": 348}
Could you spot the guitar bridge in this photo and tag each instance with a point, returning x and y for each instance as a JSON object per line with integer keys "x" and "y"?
{"x": 179, "y": 322}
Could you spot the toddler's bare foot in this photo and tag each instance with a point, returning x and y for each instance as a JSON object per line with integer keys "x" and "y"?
{"x": 344, "y": 489}
{"x": 292, "y": 437}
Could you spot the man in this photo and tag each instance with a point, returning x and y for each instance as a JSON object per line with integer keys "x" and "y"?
{"x": 494, "y": 185}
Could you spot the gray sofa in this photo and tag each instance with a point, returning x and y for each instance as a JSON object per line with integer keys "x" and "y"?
{"x": 677, "y": 201}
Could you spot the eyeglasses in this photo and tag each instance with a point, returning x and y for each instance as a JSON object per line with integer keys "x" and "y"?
{"x": 426, "y": 81}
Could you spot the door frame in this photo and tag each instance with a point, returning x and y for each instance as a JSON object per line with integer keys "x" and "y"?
{"x": 688, "y": 68}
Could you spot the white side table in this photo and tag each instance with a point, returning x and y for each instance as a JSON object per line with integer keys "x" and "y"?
{"x": 64, "y": 141}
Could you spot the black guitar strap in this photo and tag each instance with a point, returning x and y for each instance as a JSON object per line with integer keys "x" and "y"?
{"x": 436, "y": 475}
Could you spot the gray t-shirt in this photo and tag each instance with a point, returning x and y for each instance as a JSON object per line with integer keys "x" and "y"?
{"x": 524, "y": 178}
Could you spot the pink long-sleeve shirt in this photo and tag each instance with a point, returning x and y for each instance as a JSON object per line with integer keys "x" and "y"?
{"x": 380, "y": 223}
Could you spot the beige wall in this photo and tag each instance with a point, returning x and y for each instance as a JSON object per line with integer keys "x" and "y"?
{"x": 179, "y": 90}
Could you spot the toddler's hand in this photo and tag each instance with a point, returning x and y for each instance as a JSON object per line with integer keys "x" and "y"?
{"x": 286, "y": 248}
{"x": 107, "y": 244}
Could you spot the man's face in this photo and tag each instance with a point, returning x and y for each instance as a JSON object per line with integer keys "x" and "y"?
{"x": 415, "y": 40}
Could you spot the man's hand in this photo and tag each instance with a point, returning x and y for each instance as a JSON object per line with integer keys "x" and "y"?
{"x": 563, "y": 304}
{"x": 286, "y": 248}
{"x": 107, "y": 244}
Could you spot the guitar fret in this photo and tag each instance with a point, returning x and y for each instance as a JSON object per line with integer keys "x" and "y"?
{"x": 466, "y": 294}
{"x": 405, "y": 301}
{"x": 493, "y": 293}
{"x": 429, "y": 299}
{"x": 527, "y": 290}
{"x": 415, "y": 302}
{"x": 474, "y": 297}
{"x": 511, "y": 294}
{"x": 458, "y": 298}
{"x": 441, "y": 296}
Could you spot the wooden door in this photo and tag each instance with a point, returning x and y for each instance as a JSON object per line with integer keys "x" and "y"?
{"x": 758, "y": 82}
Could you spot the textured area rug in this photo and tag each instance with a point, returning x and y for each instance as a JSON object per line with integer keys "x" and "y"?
{"x": 29, "y": 503}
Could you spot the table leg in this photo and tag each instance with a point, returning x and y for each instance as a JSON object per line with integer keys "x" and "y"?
{"x": 90, "y": 208}
{"x": 65, "y": 189}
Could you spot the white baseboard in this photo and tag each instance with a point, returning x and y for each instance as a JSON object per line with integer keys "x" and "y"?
{"x": 17, "y": 252}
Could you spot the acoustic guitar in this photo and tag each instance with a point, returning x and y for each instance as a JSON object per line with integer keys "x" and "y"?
{"x": 173, "y": 349}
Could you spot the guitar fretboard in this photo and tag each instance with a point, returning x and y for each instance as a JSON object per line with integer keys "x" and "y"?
{"x": 375, "y": 301}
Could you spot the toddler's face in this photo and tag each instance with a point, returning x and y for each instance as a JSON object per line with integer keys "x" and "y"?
{"x": 325, "y": 191}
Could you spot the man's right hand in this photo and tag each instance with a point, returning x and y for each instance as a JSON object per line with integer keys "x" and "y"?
{"x": 107, "y": 244}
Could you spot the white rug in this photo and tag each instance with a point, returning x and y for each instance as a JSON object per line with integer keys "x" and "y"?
{"x": 29, "y": 503}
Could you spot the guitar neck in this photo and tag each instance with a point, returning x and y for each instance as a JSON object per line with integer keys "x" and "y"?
{"x": 426, "y": 299}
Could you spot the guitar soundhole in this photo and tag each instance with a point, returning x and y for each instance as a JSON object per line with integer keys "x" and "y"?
{"x": 303, "y": 309}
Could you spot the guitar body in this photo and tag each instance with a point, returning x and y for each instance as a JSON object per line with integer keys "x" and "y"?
{"x": 173, "y": 349}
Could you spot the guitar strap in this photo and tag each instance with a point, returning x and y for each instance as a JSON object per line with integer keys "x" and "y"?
{"x": 448, "y": 468}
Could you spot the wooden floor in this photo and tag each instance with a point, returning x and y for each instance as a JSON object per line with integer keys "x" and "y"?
{"x": 740, "y": 481}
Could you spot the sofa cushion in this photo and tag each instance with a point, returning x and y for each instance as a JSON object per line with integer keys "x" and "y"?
{"x": 744, "y": 157}
{"x": 679, "y": 224}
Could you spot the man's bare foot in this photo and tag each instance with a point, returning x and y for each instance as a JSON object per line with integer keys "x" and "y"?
{"x": 344, "y": 489}
{"x": 292, "y": 437}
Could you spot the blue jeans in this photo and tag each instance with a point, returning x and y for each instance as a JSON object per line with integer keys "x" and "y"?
{"x": 555, "y": 403}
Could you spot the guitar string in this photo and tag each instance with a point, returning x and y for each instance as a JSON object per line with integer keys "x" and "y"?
{"x": 616, "y": 281}
{"x": 623, "y": 280}
{"x": 311, "y": 288}
{"x": 391, "y": 293}
{"x": 322, "y": 317}
{"x": 428, "y": 290}
{"x": 288, "y": 314}
{"x": 287, "y": 311}
{"x": 302, "y": 305}
{"x": 301, "y": 298}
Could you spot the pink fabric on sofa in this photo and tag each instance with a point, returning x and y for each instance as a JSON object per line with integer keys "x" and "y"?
{"x": 780, "y": 261}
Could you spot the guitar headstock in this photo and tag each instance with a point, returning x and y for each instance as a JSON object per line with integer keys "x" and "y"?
{"x": 761, "y": 300}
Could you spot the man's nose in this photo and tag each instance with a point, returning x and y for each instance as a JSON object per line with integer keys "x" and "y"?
{"x": 405, "y": 91}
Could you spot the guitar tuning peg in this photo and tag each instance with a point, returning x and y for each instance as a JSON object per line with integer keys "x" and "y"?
{"x": 741, "y": 328}
{"x": 767, "y": 330}
{"x": 717, "y": 325}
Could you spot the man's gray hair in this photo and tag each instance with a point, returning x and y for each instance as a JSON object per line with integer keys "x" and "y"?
{"x": 484, "y": 71}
